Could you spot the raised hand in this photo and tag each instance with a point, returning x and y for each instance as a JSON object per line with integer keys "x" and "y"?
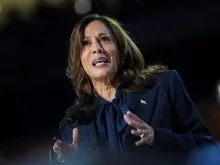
{"x": 63, "y": 150}
{"x": 142, "y": 129}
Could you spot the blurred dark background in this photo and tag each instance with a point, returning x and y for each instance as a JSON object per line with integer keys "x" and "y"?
{"x": 34, "y": 42}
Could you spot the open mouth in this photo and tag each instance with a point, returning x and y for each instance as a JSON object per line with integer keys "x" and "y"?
{"x": 99, "y": 61}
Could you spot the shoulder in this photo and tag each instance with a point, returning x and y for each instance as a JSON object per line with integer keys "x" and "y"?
{"x": 168, "y": 78}
{"x": 167, "y": 74}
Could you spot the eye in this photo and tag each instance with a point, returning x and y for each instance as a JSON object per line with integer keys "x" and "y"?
{"x": 105, "y": 38}
{"x": 85, "y": 42}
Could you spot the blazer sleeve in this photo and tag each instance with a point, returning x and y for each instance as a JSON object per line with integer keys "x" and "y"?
{"x": 192, "y": 132}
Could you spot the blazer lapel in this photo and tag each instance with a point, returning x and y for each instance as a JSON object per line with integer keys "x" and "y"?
{"x": 143, "y": 103}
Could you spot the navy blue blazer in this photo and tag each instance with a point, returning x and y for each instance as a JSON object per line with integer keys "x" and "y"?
{"x": 167, "y": 107}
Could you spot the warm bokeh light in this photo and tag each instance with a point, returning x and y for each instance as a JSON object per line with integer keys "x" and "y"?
{"x": 0, "y": 8}
{"x": 24, "y": 9}
{"x": 82, "y": 6}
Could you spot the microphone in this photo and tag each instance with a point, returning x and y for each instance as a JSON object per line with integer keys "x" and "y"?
{"x": 73, "y": 118}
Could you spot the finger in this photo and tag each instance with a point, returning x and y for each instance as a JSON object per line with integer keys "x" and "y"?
{"x": 57, "y": 149}
{"x": 75, "y": 136}
{"x": 54, "y": 139}
{"x": 134, "y": 117}
{"x": 127, "y": 119}
{"x": 60, "y": 158}
{"x": 140, "y": 142}
{"x": 133, "y": 123}
{"x": 58, "y": 143}
{"x": 137, "y": 132}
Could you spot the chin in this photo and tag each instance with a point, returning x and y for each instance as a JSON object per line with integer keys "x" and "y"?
{"x": 103, "y": 76}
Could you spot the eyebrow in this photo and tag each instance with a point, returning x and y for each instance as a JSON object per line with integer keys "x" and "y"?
{"x": 100, "y": 34}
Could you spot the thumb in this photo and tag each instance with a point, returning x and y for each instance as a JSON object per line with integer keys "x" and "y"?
{"x": 60, "y": 158}
{"x": 75, "y": 137}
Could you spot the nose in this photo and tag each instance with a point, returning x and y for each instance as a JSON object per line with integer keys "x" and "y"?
{"x": 97, "y": 47}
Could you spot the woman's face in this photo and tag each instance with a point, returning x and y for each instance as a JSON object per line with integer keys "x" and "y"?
{"x": 99, "y": 56}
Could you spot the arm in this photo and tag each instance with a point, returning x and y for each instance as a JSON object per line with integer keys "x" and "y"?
{"x": 192, "y": 133}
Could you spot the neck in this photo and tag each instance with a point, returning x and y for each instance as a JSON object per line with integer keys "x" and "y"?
{"x": 105, "y": 89}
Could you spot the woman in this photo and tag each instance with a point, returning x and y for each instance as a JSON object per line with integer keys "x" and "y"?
{"x": 136, "y": 108}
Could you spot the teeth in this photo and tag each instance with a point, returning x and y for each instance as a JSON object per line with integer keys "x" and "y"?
{"x": 99, "y": 61}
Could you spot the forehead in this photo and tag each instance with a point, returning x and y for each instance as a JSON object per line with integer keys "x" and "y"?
{"x": 95, "y": 28}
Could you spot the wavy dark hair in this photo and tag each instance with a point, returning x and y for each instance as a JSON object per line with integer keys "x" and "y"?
{"x": 132, "y": 74}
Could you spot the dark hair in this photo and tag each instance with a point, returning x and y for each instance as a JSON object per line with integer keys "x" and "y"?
{"x": 131, "y": 75}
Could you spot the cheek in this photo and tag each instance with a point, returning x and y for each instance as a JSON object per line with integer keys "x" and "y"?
{"x": 83, "y": 62}
{"x": 115, "y": 56}
{"x": 84, "y": 66}
{"x": 84, "y": 58}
